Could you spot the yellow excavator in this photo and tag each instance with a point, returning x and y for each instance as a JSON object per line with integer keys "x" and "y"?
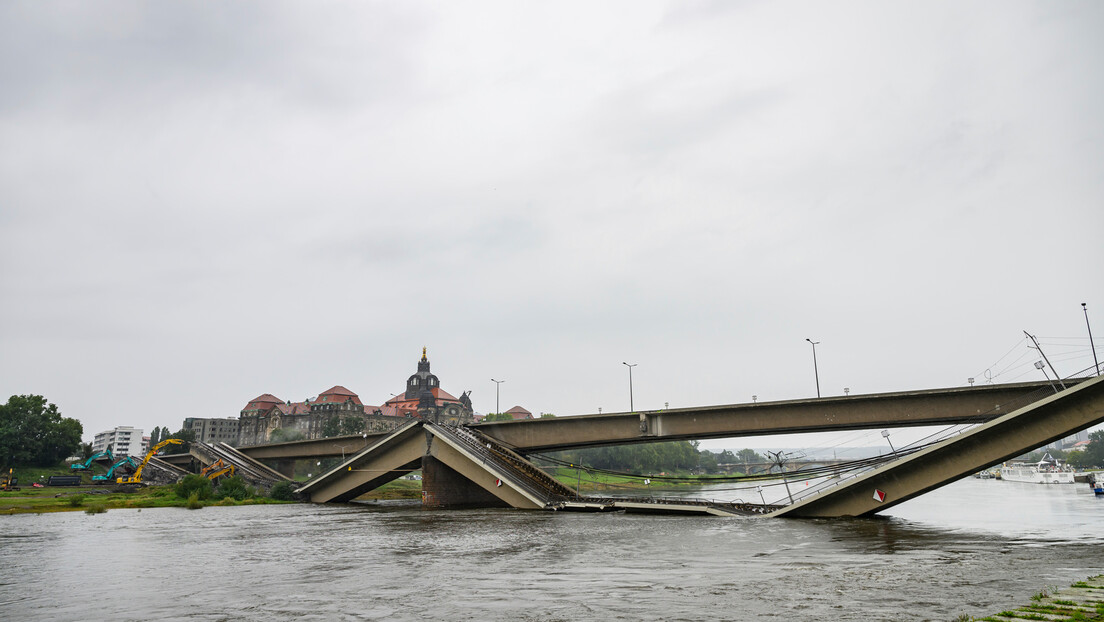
{"x": 217, "y": 469}
{"x": 8, "y": 481}
{"x": 136, "y": 477}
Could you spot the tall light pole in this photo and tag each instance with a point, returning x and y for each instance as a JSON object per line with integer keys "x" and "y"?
{"x": 885, "y": 435}
{"x": 497, "y": 383}
{"x": 1092, "y": 347}
{"x": 816, "y": 373}
{"x": 631, "y": 407}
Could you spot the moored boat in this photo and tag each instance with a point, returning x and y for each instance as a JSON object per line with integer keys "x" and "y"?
{"x": 1049, "y": 470}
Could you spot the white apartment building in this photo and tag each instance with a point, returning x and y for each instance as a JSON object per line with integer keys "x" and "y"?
{"x": 124, "y": 441}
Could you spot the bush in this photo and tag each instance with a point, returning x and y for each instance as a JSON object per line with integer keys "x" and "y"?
{"x": 95, "y": 508}
{"x": 235, "y": 488}
{"x": 194, "y": 485}
{"x": 76, "y": 501}
{"x": 193, "y": 502}
{"x": 283, "y": 491}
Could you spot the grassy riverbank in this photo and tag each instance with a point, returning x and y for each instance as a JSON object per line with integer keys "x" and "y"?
{"x": 97, "y": 499}
{"x": 1081, "y": 602}
{"x": 398, "y": 489}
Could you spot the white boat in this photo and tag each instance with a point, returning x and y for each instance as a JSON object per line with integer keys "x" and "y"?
{"x": 1046, "y": 471}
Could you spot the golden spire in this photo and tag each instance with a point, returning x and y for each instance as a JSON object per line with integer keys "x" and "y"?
{"x": 423, "y": 353}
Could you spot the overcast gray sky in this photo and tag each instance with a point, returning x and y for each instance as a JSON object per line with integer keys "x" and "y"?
{"x": 203, "y": 202}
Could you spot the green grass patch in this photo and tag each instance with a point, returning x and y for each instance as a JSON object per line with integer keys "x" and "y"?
{"x": 397, "y": 489}
{"x": 43, "y": 500}
{"x": 95, "y": 508}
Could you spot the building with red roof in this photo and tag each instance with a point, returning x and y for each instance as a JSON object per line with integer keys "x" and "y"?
{"x": 517, "y": 412}
{"x": 340, "y": 407}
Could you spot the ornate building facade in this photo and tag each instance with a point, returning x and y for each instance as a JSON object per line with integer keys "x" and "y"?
{"x": 340, "y": 407}
{"x": 425, "y": 398}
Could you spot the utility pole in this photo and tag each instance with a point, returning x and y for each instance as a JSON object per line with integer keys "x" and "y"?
{"x": 1092, "y": 347}
{"x": 1054, "y": 371}
{"x": 779, "y": 459}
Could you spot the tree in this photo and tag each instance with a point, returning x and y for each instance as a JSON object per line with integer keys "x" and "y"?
{"x": 188, "y": 436}
{"x": 285, "y": 435}
{"x": 331, "y": 427}
{"x": 353, "y": 425}
{"x": 749, "y": 455}
{"x": 497, "y": 417}
{"x": 1094, "y": 451}
{"x": 33, "y": 432}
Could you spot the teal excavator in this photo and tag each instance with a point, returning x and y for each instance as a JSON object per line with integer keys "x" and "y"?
{"x": 106, "y": 478}
{"x": 87, "y": 464}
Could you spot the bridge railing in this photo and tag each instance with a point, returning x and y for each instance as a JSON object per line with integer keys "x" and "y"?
{"x": 939, "y": 436}
{"x": 524, "y": 474}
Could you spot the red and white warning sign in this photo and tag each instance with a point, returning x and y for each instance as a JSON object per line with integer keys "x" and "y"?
{"x": 879, "y": 495}
{"x": 498, "y": 482}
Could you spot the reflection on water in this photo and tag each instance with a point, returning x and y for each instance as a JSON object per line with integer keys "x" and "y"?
{"x": 974, "y": 547}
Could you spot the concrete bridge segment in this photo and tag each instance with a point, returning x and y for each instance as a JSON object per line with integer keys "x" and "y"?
{"x": 1006, "y": 437}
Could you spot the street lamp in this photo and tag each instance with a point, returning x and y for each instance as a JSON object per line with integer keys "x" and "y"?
{"x": 816, "y": 373}
{"x": 342, "y": 450}
{"x": 631, "y": 407}
{"x": 1039, "y": 366}
{"x": 1092, "y": 347}
{"x": 497, "y": 383}
{"x": 885, "y": 435}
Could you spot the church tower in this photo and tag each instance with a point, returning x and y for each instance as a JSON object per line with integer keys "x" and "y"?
{"x": 423, "y": 380}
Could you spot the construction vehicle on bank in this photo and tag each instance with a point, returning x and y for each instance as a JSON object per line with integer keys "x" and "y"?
{"x": 87, "y": 464}
{"x": 107, "y": 478}
{"x": 136, "y": 477}
{"x": 211, "y": 468}
{"x": 8, "y": 481}
{"x": 225, "y": 471}
{"x": 218, "y": 468}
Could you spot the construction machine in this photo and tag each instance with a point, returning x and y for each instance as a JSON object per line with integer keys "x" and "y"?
{"x": 8, "y": 482}
{"x": 136, "y": 477}
{"x": 226, "y": 471}
{"x": 87, "y": 464}
{"x": 214, "y": 466}
{"x": 106, "y": 478}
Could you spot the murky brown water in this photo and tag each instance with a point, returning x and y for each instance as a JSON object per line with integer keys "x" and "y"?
{"x": 974, "y": 547}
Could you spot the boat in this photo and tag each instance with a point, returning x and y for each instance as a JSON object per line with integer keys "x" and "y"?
{"x": 1049, "y": 470}
{"x": 1096, "y": 482}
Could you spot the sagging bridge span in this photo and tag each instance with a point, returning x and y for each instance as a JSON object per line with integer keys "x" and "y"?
{"x": 485, "y": 466}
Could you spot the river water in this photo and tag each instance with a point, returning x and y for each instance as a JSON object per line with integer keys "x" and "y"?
{"x": 973, "y": 547}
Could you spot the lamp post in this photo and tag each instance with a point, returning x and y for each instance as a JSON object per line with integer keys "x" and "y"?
{"x": 342, "y": 450}
{"x": 631, "y": 407}
{"x": 816, "y": 373}
{"x": 885, "y": 435}
{"x": 1039, "y": 366}
{"x": 1092, "y": 347}
{"x": 497, "y": 384}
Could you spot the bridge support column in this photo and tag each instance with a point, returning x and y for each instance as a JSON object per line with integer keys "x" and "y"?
{"x": 285, "y": 468}
{"x": 444, "y": 488}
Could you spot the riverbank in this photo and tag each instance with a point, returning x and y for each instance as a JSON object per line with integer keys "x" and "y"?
{"x": 99, "y": 499}
{"x": 1081, "y": 602}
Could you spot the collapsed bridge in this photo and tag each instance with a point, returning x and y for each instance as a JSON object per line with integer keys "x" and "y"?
{"x": 474, "y": 466}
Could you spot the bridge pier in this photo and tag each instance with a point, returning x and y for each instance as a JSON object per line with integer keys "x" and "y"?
{"x": 443, "y": 488}
{"x": 285, "y": 468}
